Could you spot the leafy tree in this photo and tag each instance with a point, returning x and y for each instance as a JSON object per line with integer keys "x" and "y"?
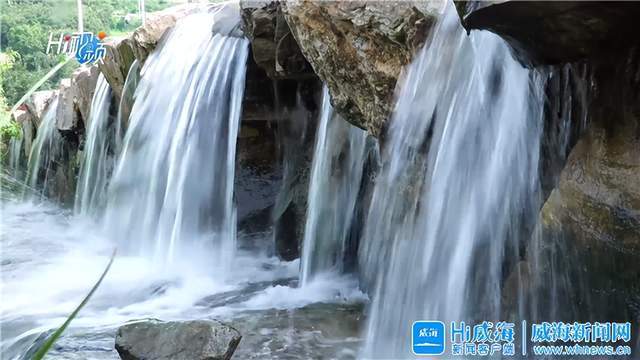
{"x": 26, "y": 25}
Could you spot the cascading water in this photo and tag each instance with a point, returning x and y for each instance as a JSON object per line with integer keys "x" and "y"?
{"x": 127, "y": 100}
{"x": 459, "y": 173}
{"x": 173, "y": 185}
{"x": 15, "y": 155}
{"x": 336, "y": 174}
{"x": 98, "y": 158}
{"x": 44, "y": 149}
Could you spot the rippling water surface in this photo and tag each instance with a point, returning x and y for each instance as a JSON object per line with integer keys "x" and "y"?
{"x": 51, "y": 258}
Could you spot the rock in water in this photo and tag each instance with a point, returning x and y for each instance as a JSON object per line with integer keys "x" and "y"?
{"x": 192, "y": 340}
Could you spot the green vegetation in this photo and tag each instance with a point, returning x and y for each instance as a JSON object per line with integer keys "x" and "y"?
{"x": 25, "y": 26}
{"x": 8, "y": 128}
{"x": 44, "y": 348}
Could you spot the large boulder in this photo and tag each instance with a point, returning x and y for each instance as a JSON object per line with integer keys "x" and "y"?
{"x": 598, "y": 198}
{"x": 589, "y": 243}
{"x": 38, "y": 103}
{"x": 27, "y": 124}
{"x": 116, "y": 63}
{"x": 75, "y": 96}
{"x": 194, "y": 340}
{"x": 273, "y": 46}
{"x": 359, "y": 48}
{"x": 554, "y": 32}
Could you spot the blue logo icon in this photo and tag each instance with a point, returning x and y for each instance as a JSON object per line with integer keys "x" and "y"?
{"x": 90, "y": 49}
{"x": 427, "y": 338}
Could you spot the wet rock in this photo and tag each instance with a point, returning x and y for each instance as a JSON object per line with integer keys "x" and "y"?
{"x": 27, "y": 124}
{"x": 273, "y": 46}
{"x": 237, "y": 296}
{"x": 295, "y": 138}
{"x": 196, "y": 339}
{"x": 74, "y": 102}
{"x": 116, "y": 63}
{"x": 257, "y": 176}
{"x": 556, "y": 31}
{"x": 513, "y": 289}
{"x": 315, "y": 331}
{"x": 38, "y": 102}
{"x": 359, "y": 48}
{"x": 598, "y": 201}
{"x": 591, "y": 222}
{"x": 145, "y": 38}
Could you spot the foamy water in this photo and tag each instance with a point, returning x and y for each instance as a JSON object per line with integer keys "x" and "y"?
{"x": 50, "y": 259}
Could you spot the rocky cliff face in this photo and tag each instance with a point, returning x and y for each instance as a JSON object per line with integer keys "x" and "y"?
{"x": 74, "y": 100}
{"x": 274, "y": 48}
{"x": 356, "y": 48}
{"x": 584, "y": 252}
{"x": 594, "y": 212}
{"x": 359, "y": 49}
{"x": 553, "y": 32}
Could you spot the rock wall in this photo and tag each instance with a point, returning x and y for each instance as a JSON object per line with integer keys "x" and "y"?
{"x": 594, "y": 212}
{"x": 74, "y": 100}
{"x": 555, "y": 32}
{"x": 581, "y": 262}
{"x": 273, "y": 46}
{"x": 359, "y": 49}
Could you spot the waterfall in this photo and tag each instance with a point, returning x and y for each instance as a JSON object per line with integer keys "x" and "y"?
{"x": 336, "y": 174}
{"x": 97, "y": 161}
{"x": 44, "y": 149}
{"x": 15, "y": 155}
{"x": 126, "y": 102}
{"x": 171, "y": 194}
{"x": 460, "y": 171}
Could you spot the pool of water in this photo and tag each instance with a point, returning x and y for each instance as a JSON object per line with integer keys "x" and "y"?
{"x": 49, "y": 259}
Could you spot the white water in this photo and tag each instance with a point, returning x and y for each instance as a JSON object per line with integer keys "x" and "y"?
{"x": 50, "y": 259}
{"x": 172, "y": 191}
{"x": 336, "y": 174}
{"x": 127, "y": 100}
{"x": 98, "y": 158}
{"x": 44, "y": 149}
{"x": 459, "y": 168}
{"x": 15, "y": 153}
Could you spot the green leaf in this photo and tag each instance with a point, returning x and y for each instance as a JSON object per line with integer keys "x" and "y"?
{"x": 39, "y": 83}
{"x": 42, "y": 351}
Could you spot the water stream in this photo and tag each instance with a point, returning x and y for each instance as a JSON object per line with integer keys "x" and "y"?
{"x": 98, "y": 159}
{"x": 15, "y": 154}
{"x": 171, "y": 214}
{"x": 458, "y": 183}
{"x": 459, "y": 175}
{"x": 336, "y": 174}
{"x": 182, "y": 138}
{"x": 44, "y": 149}
{"x": 127, "y": 99}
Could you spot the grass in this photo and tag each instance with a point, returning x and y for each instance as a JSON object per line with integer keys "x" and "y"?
{"x": 44, "y": 349}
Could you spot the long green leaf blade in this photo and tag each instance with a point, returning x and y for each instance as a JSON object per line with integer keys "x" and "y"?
{"x": 42, "y": 351}
{"x": 39, "y": 83}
